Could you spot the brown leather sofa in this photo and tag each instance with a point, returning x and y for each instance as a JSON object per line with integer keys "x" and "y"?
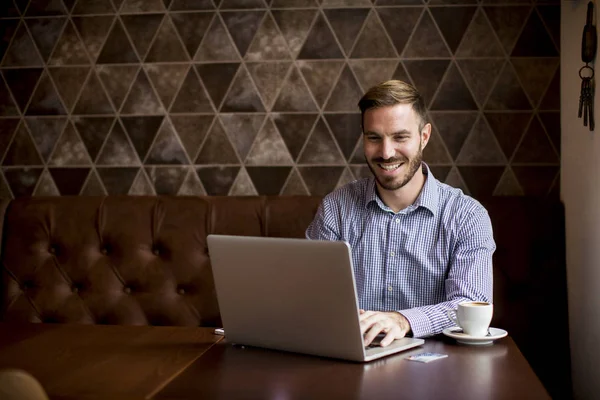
{"x": 144, "y": 260}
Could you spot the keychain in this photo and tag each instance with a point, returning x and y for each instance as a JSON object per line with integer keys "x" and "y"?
{"x": 586, "y": 73}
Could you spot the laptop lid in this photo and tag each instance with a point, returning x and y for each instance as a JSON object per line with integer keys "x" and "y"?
{"x": 294, "y": 295}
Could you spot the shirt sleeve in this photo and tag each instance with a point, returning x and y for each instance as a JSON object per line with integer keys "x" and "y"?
{"x": 324, "y": 225}
{"x": 470, "y": 276}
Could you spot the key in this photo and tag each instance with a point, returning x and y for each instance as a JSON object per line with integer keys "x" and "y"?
{"x": 590, "y": 105}
{"x": 581, "y": 98}
{"x": 585, "y": 94}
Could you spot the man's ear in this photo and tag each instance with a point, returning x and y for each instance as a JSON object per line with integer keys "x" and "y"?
{"x": 425, "y": 135}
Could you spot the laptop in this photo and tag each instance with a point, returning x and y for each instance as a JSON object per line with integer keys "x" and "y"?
{"x": 294, "y": 295}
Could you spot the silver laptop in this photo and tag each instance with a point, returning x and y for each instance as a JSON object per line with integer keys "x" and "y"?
{"x": 294, "y": 295}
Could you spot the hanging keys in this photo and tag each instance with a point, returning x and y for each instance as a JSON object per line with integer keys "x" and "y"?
{"x": 586, "y": 97}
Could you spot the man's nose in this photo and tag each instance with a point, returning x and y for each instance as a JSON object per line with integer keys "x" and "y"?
{"x": 387, "y": 149}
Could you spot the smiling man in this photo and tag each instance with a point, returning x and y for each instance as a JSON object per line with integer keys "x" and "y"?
{"x": 419, "y": 246}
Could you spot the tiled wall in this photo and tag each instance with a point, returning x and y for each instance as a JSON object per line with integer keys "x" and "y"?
{"x": 259, "y": 96}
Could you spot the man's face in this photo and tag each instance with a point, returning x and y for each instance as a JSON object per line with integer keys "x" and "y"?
{"x": 393, "y": 144}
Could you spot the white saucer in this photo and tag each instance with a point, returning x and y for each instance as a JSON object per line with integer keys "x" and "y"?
{"x": 455, "y": 332}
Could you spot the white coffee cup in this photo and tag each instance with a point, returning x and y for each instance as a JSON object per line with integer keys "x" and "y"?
{"x": 474, "y": 317}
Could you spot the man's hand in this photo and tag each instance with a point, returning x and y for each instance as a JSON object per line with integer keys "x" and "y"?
{"x": 393, "y": 324}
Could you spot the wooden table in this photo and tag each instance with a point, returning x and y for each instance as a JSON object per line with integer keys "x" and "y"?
{"x": 120, "y": 362}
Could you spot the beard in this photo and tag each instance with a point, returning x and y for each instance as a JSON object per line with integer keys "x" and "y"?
{"x": 396, "y": 182}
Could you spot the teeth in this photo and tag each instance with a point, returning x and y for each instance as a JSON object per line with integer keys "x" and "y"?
{"x": 389, "y": 167}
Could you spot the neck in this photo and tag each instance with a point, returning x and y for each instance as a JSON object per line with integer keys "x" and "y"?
{"x": 401, "y": 198}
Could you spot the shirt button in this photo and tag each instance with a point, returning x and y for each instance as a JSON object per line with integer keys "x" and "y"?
{"x": 397, "y": 220}
{"x": 392, "y": 254}
{"x": 391, "y": 289}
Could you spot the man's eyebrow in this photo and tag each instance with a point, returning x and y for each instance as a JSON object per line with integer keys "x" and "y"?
{"x": 401, "y": 132}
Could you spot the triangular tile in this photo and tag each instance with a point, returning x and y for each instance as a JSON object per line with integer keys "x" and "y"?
{"x": 435, "y": 152}
{"x": 45, "y": 99}
{"x": 370, "y": 74}
{"x": 137, "y": 6}
{"x": 22, "y": 51}
{"x": 45, "y": 8}
{"x": 167, "y": 149}
{"x": 242, "y": 26}
{"x": 535, "y": 147}
{"x": 453, "y": 93}
{"x": 166, "y": 79}
{"x": 93, "y": 132}
{"x": 142, "y": 29}
{"x": 508, "y": 185}
{"x": 551, "y": 100}
{"x": 534, "y": 40}
{"x": 22, "y": 181}
{"x": 535, "y": 75}
{"x": 402, "y": 75}
{"x": 93, "y": 186}
{"x": 68, "y": 82}
{"x": 192, "y": 130}
{"x": 346, "y": 93}
{"x": 346, "y": 178}
{"x": 117, "y": 150}
{"x": 22, "y": 150}
{"x": 117, "y": 48}
{"x": 21, "y": 5}
{"x": 69, "y": 150}
{"x": 508, "y": 94}
{"x": 191, "y": 28}
{"x": 294, "y": 95}
{"x": 346, "y": 24}
{"x": 167, "y": 3}
{"x": 46, "y": 186}
{"x": 9, "y": 10}
{"x": 69, "y": 48}
{"x": 359, "y": 154}
{"x": 217, "y": 180}
{"x": 551, "y": 17}
{"x": 269, "y": 78}
{"x": 426, "y": 41}
{"x": 347, "y": 131}
{"x": 294, "y": 129}
{"x": 69, "y": 181}
{"x": 243, "y": 186}
{"x": 480, "y": 75}
{"x": 93, "y": 99}
{"x": 118, "y": 181}
{"x": 426, "y": 75}
{"x": 551, "y": 121}
{"x": 217, "y": 46}
{"x": 9, "y": 27}
{"x": 93, "y": 7}
{"x": 321, "y": 147}
{"x": 242, "y": 129}
{"x": 481, "y": 147}
{"x": 67, "y": 3}
{"x": 141, "y": 186}
{"x": 294, "y": 26}
{"x": 268, "y": 43}
{"x": 361, "y": 171}
{"x": 167, "y": 45}
{"x": 269, "y": 148}
{"x": 320, "y": 42}
{"x": 93, "y": 32}
{"x": 191, "y": 97}
{"x": 320, "y": 76}
{"x": 454, "y": 128}
{"x": 507, "y": 21}
{"x": 7, "y": 130}
{"x": 217, "y": 148}
{"x": 166, "y": 180}
{"x": 348, "y": 3}
{"x": 142, "y": 131}
{"x": 21, "y": 82}
{"x": 453, "y": 22}
{"x": 373, "y": 41}
{"x": 479, "y": 40}
{"x": 455, "y": 180}
{"x": 400, "y": 23}
{"x": 321, "y": 180}
{"x": 192, "y": 186}
{"x": 141, "y": 98}
{"x": 268, "y": 180}
{"x": 294, "y": 3}
{"x": 7, "y": 106}
{"x": 481, "y": 181}
{"x": 242, "y": 96}
{"x": 237, "y": 4}
{"x": 217, "y": 78}
{"x": 536, "y": 180}
{"x": 117, "y": 81}
{"x": 440, "y": 172}
{"x": 294, "y": 185}
{"x": 45, "y": 32}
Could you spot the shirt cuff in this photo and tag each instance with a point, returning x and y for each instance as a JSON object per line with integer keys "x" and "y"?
{"x": 419, "y": 322}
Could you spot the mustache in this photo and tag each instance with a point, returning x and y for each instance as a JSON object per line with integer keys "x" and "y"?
{"x": 392, "y": 160}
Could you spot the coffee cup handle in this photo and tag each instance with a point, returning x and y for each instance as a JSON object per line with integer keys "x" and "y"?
{"x": 452, "y": 316}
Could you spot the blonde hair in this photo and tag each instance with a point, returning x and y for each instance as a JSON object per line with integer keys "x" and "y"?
{"x": 390, "y": 93}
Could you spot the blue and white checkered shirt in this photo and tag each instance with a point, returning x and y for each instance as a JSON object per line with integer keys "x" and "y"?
{"x": 421, "y": 261}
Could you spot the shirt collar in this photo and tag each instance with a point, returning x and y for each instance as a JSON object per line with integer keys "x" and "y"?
{"x": 428, "y": 198}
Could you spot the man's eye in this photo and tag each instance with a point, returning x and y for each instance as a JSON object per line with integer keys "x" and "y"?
{"x": 372, "y": 138}
{"x": 401, "y": 138}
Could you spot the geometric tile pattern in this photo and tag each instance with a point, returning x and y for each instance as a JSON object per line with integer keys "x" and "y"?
{"x": 246, "y": 97}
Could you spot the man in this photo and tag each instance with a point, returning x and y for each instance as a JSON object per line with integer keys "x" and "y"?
{"x": 419, "y": 246}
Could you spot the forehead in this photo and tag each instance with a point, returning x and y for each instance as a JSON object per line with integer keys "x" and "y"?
{"x": 391, "y": 119}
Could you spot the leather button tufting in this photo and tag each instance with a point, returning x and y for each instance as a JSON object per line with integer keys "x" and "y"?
{"x": 127, "y": 290}
{"x": 156, "y": 251}
{"x": 181, "y": 291}
{"x": 52, "y": 249}
{"x": 104, "y": 250}
{"x": 75, "y": 289}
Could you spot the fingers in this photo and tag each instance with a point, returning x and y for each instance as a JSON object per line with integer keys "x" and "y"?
{"x": 373, "y": 323}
